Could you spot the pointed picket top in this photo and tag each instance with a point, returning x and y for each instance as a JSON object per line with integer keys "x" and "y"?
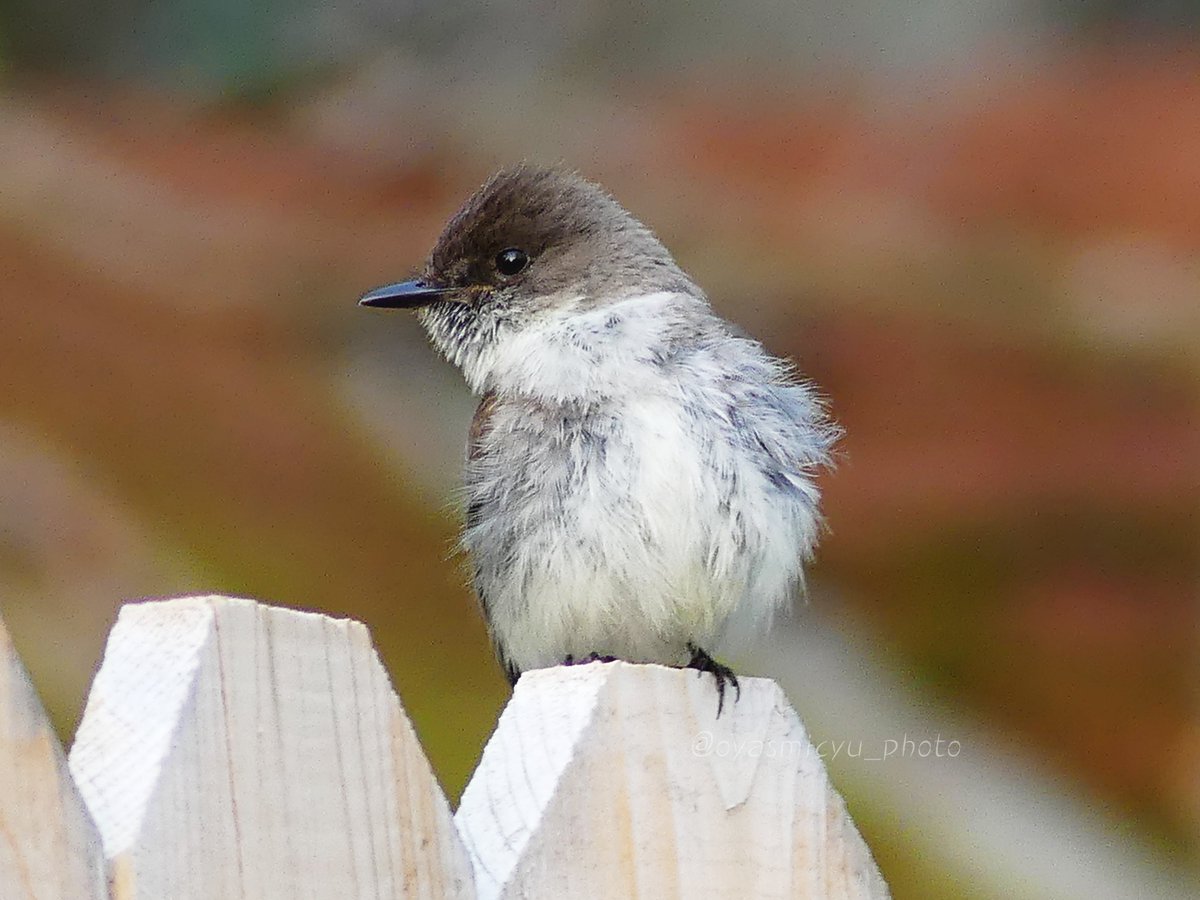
{"x": 613, "y": 779}
{"x": 49, "y": 849}
{"x": 231, "y": 749}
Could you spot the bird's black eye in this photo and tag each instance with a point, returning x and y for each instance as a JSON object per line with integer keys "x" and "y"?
{"x": 511, "y": 261}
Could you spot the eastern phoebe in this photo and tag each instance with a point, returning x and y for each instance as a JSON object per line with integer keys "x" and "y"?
{"x": 640, "y": 474}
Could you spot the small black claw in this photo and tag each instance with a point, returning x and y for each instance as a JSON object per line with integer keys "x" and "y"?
{"x": 702, "y": 663}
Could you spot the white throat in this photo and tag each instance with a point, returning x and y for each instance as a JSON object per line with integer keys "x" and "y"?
{"x": 567, "y": 354}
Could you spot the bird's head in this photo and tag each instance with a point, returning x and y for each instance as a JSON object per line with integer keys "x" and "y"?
{"x": 531, "y": 242}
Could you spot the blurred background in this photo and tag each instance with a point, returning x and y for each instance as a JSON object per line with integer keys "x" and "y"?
{"x": 976, "y": 225}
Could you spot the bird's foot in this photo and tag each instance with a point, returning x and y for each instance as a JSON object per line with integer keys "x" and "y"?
{"x": 724, "y": 675}
{"x": 570, "y": 660}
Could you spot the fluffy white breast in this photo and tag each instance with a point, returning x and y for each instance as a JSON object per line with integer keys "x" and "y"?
{"x": 644, "y": 482}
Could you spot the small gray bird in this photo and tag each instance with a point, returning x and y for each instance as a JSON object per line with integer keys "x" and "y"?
{"x": 640, "y": 474}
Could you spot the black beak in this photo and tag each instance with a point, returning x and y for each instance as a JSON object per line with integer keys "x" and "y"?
{"x": 405, "y": 295}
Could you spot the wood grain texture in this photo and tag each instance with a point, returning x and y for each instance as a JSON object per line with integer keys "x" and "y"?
{"x": 48, "y": 846}
{"x": 234, "y": 750}
{"x": 619, "y": 780}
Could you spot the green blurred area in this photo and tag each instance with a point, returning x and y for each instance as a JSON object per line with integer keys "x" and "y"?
{"x": 975, "y": 228}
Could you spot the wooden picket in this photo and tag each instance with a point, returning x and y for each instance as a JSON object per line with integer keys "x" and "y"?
{"x": 48, "y": 846}
{"x": 235, "y": 750}
{"x": 616, "y": 780}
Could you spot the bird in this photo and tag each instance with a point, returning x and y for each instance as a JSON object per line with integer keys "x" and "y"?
{"x": 640, "y": 479}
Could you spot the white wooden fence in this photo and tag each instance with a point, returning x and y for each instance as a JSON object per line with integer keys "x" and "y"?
{"x": 235, "y": 750}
